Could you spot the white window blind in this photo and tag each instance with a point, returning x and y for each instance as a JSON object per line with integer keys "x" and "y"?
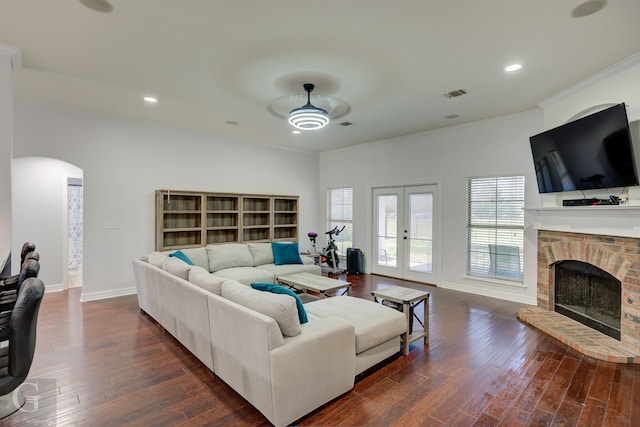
{"x": 495, "y": 227}
{"x": 340, "y": 206}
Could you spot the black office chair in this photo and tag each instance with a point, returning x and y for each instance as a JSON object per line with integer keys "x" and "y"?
{"x": 26, "y": 248}
{"x": 27, "y": 252}
{"x": 16, "y": 359}
{"x": 9, "y": 295}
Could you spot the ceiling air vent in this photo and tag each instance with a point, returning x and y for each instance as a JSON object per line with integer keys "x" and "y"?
{"x": 455, "y": 93}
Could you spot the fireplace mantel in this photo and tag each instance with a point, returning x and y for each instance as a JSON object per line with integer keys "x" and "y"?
{"x": 623, "y": 221}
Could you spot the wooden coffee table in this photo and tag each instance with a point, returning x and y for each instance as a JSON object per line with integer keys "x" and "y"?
{"x": 314, "y": 282}
{"x": 410, "y": 299}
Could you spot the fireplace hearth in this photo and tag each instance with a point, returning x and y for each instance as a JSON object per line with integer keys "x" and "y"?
{"x": 606, "y": 257}
{"x": 588, "y": 295}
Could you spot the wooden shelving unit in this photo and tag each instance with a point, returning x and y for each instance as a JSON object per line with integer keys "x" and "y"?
{"x": 179, "y": 224}
{"x": 187, "y": 219}
{"x": 285, "y": 218}
{"x": 222, "y": 218}
{"x": 256, "y": 218}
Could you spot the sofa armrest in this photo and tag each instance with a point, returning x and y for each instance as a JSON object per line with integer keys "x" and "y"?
{"x": 312, "y": 368}
{"x": 307, "y": 260}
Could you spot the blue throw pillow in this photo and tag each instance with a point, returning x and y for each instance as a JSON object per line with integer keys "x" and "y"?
{"x": 181, "y": 255}
{"x": 285, "y": 253}
{"x": 277, "y": 289}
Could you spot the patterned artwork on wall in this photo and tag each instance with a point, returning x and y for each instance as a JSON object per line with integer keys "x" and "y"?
{"x": 74, "y": 225}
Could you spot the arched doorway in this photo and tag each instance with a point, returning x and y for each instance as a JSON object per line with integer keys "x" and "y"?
{"x": 40, "y": 214}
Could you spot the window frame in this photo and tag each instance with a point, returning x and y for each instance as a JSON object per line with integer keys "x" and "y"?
{"x": 495, "y": 228}
{"x": 345, "y": 218}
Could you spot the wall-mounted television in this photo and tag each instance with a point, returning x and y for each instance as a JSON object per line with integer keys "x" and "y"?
{"x": 593, "y": 152}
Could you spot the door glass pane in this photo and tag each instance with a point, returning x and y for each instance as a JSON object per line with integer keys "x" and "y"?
{"x": 387, "y": 230}
{"x": 420, "y": 232}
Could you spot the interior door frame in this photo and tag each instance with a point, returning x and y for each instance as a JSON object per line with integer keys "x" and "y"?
{"x": 436, "y": 277}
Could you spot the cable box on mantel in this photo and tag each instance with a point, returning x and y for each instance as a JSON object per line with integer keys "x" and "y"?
{"x": 588, "y": 202}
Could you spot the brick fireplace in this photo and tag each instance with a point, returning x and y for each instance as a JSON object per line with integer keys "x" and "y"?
{"x": 618, "y": 256}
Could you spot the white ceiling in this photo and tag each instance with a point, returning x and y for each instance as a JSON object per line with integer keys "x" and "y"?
{"x": 214, "y": 61}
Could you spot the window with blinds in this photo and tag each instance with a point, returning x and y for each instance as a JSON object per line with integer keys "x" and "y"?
{"x": 340, "y": 213}
{"x": 495, "y": 227}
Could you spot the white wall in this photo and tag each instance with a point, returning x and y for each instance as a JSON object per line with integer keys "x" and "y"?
{"x": 489, "y": 148}
{"x": 39, "y": 206}
{"x": 6, "y": 140}
{"x": 125, "y": 161}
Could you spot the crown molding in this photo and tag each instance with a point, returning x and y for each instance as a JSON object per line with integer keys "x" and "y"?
{"x": 603, "y": 75}
{"x": 14, "y": 53}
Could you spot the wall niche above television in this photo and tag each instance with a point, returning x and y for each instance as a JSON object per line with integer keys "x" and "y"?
{"x": 593, "y": 152}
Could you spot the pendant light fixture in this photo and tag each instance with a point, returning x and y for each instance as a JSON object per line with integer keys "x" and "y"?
{"x": 308, "y": 117}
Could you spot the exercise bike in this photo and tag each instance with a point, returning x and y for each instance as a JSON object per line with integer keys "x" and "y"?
{"x": 329, "y": 255}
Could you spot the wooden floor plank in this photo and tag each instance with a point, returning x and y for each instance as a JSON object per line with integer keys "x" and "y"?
{"x": 593, "y": 413}
{"x": 558, "y": 385}
{"x": 602, "y": 381}
{"x": 111, "y": 364}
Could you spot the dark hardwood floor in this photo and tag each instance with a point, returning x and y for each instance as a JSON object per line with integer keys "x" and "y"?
{"x": 107, "y": 363}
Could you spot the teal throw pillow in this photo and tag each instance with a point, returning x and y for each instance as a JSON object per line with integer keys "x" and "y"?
{"x": 181, "y": 255}
{"x": 277, "y": 289}
{"x": 285, "y": 253}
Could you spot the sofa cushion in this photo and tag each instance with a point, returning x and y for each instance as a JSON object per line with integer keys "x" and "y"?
{"x": 156, "y": 258}
{"x": 202, "y": 278}
{"x": 247, "y": 275}
{"x": 277, "y": 289}
{"x": 285, "y": 253}
{"x": 261, "y": 252}
{"x": 374, "y": 323}
{"x": 176, "y": 267}
{"x": 198, "y": 256}
{"x": 281, "y": 308}
{"x": 182, "y": 256}
{"x": 228, "y": 255}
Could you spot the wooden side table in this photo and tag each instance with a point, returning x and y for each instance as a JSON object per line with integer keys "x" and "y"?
{"x": 410, "y": 299}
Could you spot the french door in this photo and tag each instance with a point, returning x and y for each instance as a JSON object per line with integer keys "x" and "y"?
{"x": 405, "y": 237}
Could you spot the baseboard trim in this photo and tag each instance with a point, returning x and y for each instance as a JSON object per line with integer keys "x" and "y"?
{"x": 94, "y": 296}
{"x": 492, "y": 293}
{"x": 54, "y": 288}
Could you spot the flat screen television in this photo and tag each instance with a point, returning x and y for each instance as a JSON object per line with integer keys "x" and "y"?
{"x": 593, "y": 152}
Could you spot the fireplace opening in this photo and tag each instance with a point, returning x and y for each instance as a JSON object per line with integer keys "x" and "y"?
{"x": 588, "y": 295}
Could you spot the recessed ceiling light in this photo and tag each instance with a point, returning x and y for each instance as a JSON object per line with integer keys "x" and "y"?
{"x": 151, "y": 99}
{"x": 296, "y": 132}
{"x": 513, "y": 67}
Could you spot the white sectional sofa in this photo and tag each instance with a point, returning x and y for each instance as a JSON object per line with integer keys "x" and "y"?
{"x": 254, "y": 341}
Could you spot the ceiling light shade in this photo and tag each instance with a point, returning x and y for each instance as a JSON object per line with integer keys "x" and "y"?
{"x": 308, "y": 117}
{"x": 102, "y": 6}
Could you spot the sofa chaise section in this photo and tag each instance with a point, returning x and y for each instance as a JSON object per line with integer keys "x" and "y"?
{"x": 377, "y": 328}
{"x": 285, "y": 378}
